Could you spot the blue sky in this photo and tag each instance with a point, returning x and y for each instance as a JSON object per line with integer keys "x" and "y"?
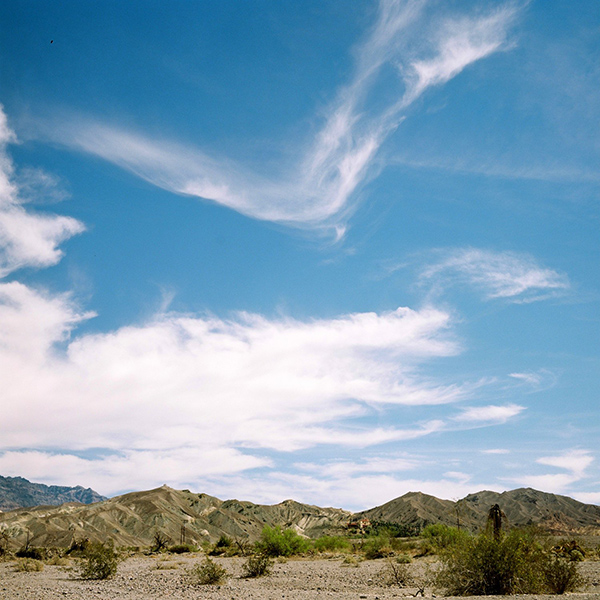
{"x": 324, "y": 250}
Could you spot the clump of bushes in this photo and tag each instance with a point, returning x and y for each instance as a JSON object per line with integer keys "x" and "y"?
{"x": 438, "y": 537}
{"x": 257, "y": 565}
{"x": 99, "y": 561}
{"x": 379, "y": 546}
{"x": 332, "y": 543}
{"x": 275, "y": 542}
{"x": 207, "y": 573}
{"x": 514, "y": 563}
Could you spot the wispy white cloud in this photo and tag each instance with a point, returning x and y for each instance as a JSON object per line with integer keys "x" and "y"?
{"x": 508, "y": 275}
{"x": 26, "y": 239}
{"x": 538, "y": 380}
{"x": 317, "y": 190}
{"x": 491, "y": 413}
{"x": 496, "y": 451}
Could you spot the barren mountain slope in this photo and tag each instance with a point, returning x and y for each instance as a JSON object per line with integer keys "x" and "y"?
{"x": 522, "y": 507}
{"x": 134, "y": 519}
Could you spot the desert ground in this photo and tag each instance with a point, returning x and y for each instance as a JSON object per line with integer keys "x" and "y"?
{"x": 166, "y": 576}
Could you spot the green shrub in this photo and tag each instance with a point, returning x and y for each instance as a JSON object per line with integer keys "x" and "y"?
{"x": 207, "y": 573}
{"x": 509, "y": 564}
{"x": 379, "y": 546}
{"x": 275, "y": 542}
{"x": 332, "y": 543}
{"x": 257, "y": 565}
{"x": 442, "y": 536}
{"x": 99, "y": 561}
{"x": 561, "y": 575}
{"x": 29, "y": 565}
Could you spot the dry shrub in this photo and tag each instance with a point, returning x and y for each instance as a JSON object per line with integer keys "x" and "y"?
{"x": 99, "y": 562}
{"x": 207, "y": 573}
{"x": 395, "y": 573}
{"x": 257, "y": 565}
{"x": 29, "y": 565}
{"x": 561, "y": 575}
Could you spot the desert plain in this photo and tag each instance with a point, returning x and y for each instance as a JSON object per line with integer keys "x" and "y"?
{"x": 158, "y": 577}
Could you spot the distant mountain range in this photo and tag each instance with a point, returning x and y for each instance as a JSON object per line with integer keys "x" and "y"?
{"x": 16, "y": 492}
{"x": 134, "y": 519}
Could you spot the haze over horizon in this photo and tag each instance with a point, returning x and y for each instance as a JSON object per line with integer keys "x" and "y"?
{"x": 333, "y": 252}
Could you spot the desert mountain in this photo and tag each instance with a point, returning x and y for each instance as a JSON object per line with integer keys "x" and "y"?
{"x": 16, "y": 492}
{"x": 523, "y": 506}
{"x": 134, "y": 519}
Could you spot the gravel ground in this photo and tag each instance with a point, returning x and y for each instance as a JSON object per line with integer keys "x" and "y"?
{"x": 157, "y": 578}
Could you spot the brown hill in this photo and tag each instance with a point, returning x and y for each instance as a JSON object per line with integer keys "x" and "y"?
{"x": 525, "y": 506}
{"x": 134, "y": 519}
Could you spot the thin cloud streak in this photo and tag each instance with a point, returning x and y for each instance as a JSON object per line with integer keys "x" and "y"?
{"x": 512, "y": 276}
{"x": 320, "y": 189}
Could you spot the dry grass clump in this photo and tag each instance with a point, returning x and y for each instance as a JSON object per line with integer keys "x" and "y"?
{"x": 29, "y": 565}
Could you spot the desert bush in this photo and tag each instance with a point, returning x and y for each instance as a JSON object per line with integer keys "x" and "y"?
{"x": 207, "y": 573}
{"x": 275, "y": 542}
{"x": 58, "y": 561}
{"x": 99, "y": 561}
{"x": 509, "y": 564}
{"x": 439, "y": 537}
{"x": 561, "y": 574}
{"x": 29, "y": 565}
{"x": 570, "y": 550}
{"x": 161, "y": 542}
{"x": 332, "y": 543}
{"x": 182, "y": 549}
{"x": 379, "y": 546}
{"x": 395, "y": 573}
{"x": 351, "y": 561}
{"x": 257, "y": 565}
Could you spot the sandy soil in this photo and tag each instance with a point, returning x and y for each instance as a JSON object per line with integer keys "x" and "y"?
{"x": 157, "y": 578}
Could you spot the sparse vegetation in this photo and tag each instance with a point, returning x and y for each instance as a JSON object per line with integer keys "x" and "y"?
{"x": 275, "y": 542}
{"x": 257, "y": 565}
{"x": 99, "y": 561}
{"x": 29, "y": 565}
{"x": 207, "y": 573}
{"x": 395, "y": 572}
